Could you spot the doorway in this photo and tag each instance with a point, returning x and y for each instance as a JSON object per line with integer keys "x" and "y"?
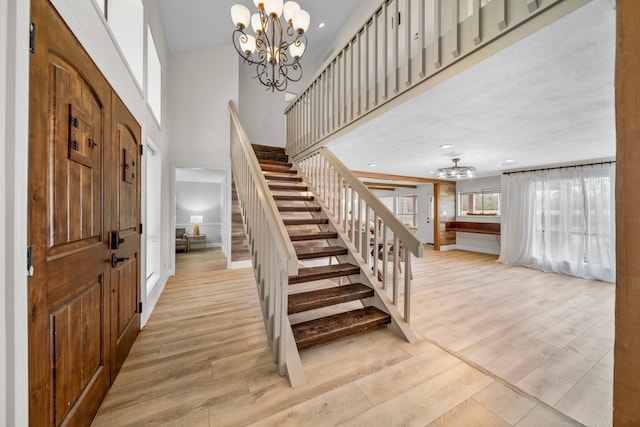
{"x": 201, "y": 207}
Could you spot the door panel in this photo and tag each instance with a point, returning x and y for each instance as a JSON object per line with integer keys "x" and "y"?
{"x": 125, "y": 302}
{"x": 77, "y": 157}
{"x": 76, "y": 329}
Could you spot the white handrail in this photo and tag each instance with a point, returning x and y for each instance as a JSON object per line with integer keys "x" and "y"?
{"x": 382, "y": 238}
{"x": 272, "y": 253}
{"x": 282, "y": 243}
{"x": 391, "y": 221}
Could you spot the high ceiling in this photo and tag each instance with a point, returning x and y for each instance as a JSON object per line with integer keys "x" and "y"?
{"x": 548, "y": 99}
{"x": 196, "y": 24}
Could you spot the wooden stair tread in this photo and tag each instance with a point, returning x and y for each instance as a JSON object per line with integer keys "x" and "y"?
{"x": 293, "y": 198}
{"x": 287, "y": 178}
{"x": 310, "y": 274}
{"x": 267, "y": 148}
{"x": 275, "y": 163}
{"x": 324, "y": 235}
{"x": 278, "y": 169}
{"x": 299, "y": 209}
{"x": 310, "y": 252}
{"x": 280, "y": 157}
{"x": 305, "y": 221}
{"x": 326, "y": 329}
{"x": 311, "y": 300}
{"x": 278, "y": 187}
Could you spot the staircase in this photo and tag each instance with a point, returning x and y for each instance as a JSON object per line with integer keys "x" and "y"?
{"x": 323, "y": 297}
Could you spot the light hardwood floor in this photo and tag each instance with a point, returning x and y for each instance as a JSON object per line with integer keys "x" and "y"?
{"x": 499, "y": 346}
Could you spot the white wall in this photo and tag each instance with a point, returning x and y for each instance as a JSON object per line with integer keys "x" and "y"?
{"x": 201, "y": 198}
{"x": 261, "y": 111}
{"x": 486, "y": 243}
{"x": 201, "y": 84}
{"x": 14, "y": 124}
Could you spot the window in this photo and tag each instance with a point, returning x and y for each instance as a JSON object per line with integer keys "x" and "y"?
{"x": 126, "y": 19}
{"x": 153, "y": 215}
{"x": 484, "y": 202}
{"x": 404, "y": 207}
{"x": 154, "y": 77}
{"x": 407, "y": 210}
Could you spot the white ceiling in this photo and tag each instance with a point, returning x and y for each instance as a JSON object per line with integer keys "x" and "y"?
{"x": 548, "y": 99}
{"x": 196, "y": 24}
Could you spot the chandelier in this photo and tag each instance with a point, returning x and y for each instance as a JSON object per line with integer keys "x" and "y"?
{"x": 275, "y": 54}
{"x": 456, "y": 172}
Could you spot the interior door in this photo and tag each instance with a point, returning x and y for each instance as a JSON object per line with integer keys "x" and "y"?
{"x": 69, "y": 303}
{"x": 429, "y": 230}
{"x": 125, "y": 237}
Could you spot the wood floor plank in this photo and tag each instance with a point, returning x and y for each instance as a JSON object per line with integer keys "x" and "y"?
{"x": 399, "y": 378}
{"x": 504, "y": 402}
{"x": 427, "y": 401}
{"x": 326, "y": 410}
{"x": 541, "y": 416}
{"x": 469, "y": 414}
{"x": 203, "y": 357}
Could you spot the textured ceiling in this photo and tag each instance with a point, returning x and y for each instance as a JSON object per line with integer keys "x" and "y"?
{"x": 548, "y": 99}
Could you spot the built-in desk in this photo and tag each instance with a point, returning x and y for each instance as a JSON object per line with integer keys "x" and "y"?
{"x": 199, "y": 240}
{"x": 473, "y": 227}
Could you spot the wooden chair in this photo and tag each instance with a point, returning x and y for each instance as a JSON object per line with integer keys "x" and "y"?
{"x": 391, "y": 252}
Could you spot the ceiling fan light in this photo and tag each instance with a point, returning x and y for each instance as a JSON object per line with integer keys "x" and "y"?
{"x": 300, "y": 21}
{"x": 240, "y": 15}
{"x": 456, "y": 172}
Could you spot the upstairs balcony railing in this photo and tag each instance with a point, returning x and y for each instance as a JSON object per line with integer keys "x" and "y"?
{"x": 403, "y": 44}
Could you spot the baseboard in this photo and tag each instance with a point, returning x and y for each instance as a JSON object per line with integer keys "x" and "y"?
{"x": 152, "y": 300}
{"x": 214, "y": 245}
{"x": 240, "y": 264}
{"x": 448, "y": 247}
{"x": 489, "y": 251}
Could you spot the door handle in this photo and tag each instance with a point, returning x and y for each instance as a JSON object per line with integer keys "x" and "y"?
{"x": 115, "y": 260}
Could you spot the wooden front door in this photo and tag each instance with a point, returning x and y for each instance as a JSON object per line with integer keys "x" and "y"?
{"x": 74, "y": 291}
{"x": 125, "y": 215}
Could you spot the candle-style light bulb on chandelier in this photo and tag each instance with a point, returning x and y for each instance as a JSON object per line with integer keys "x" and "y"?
{"x": 456, "y": 172}
{"x": 275, "y": 54}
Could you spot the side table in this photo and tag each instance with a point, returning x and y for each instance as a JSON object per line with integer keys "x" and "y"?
{"x": 192, "y": 240}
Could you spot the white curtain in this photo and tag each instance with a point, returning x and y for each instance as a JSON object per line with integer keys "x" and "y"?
{"x": 561, "y": 220}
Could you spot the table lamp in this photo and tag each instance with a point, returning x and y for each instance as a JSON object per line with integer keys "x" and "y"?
{"x": 196, "y": 220}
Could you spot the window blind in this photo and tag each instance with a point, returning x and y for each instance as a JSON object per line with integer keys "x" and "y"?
{"x": 153, "y": 215}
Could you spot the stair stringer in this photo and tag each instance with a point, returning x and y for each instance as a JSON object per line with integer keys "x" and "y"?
{"x": 380, "y": 300}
